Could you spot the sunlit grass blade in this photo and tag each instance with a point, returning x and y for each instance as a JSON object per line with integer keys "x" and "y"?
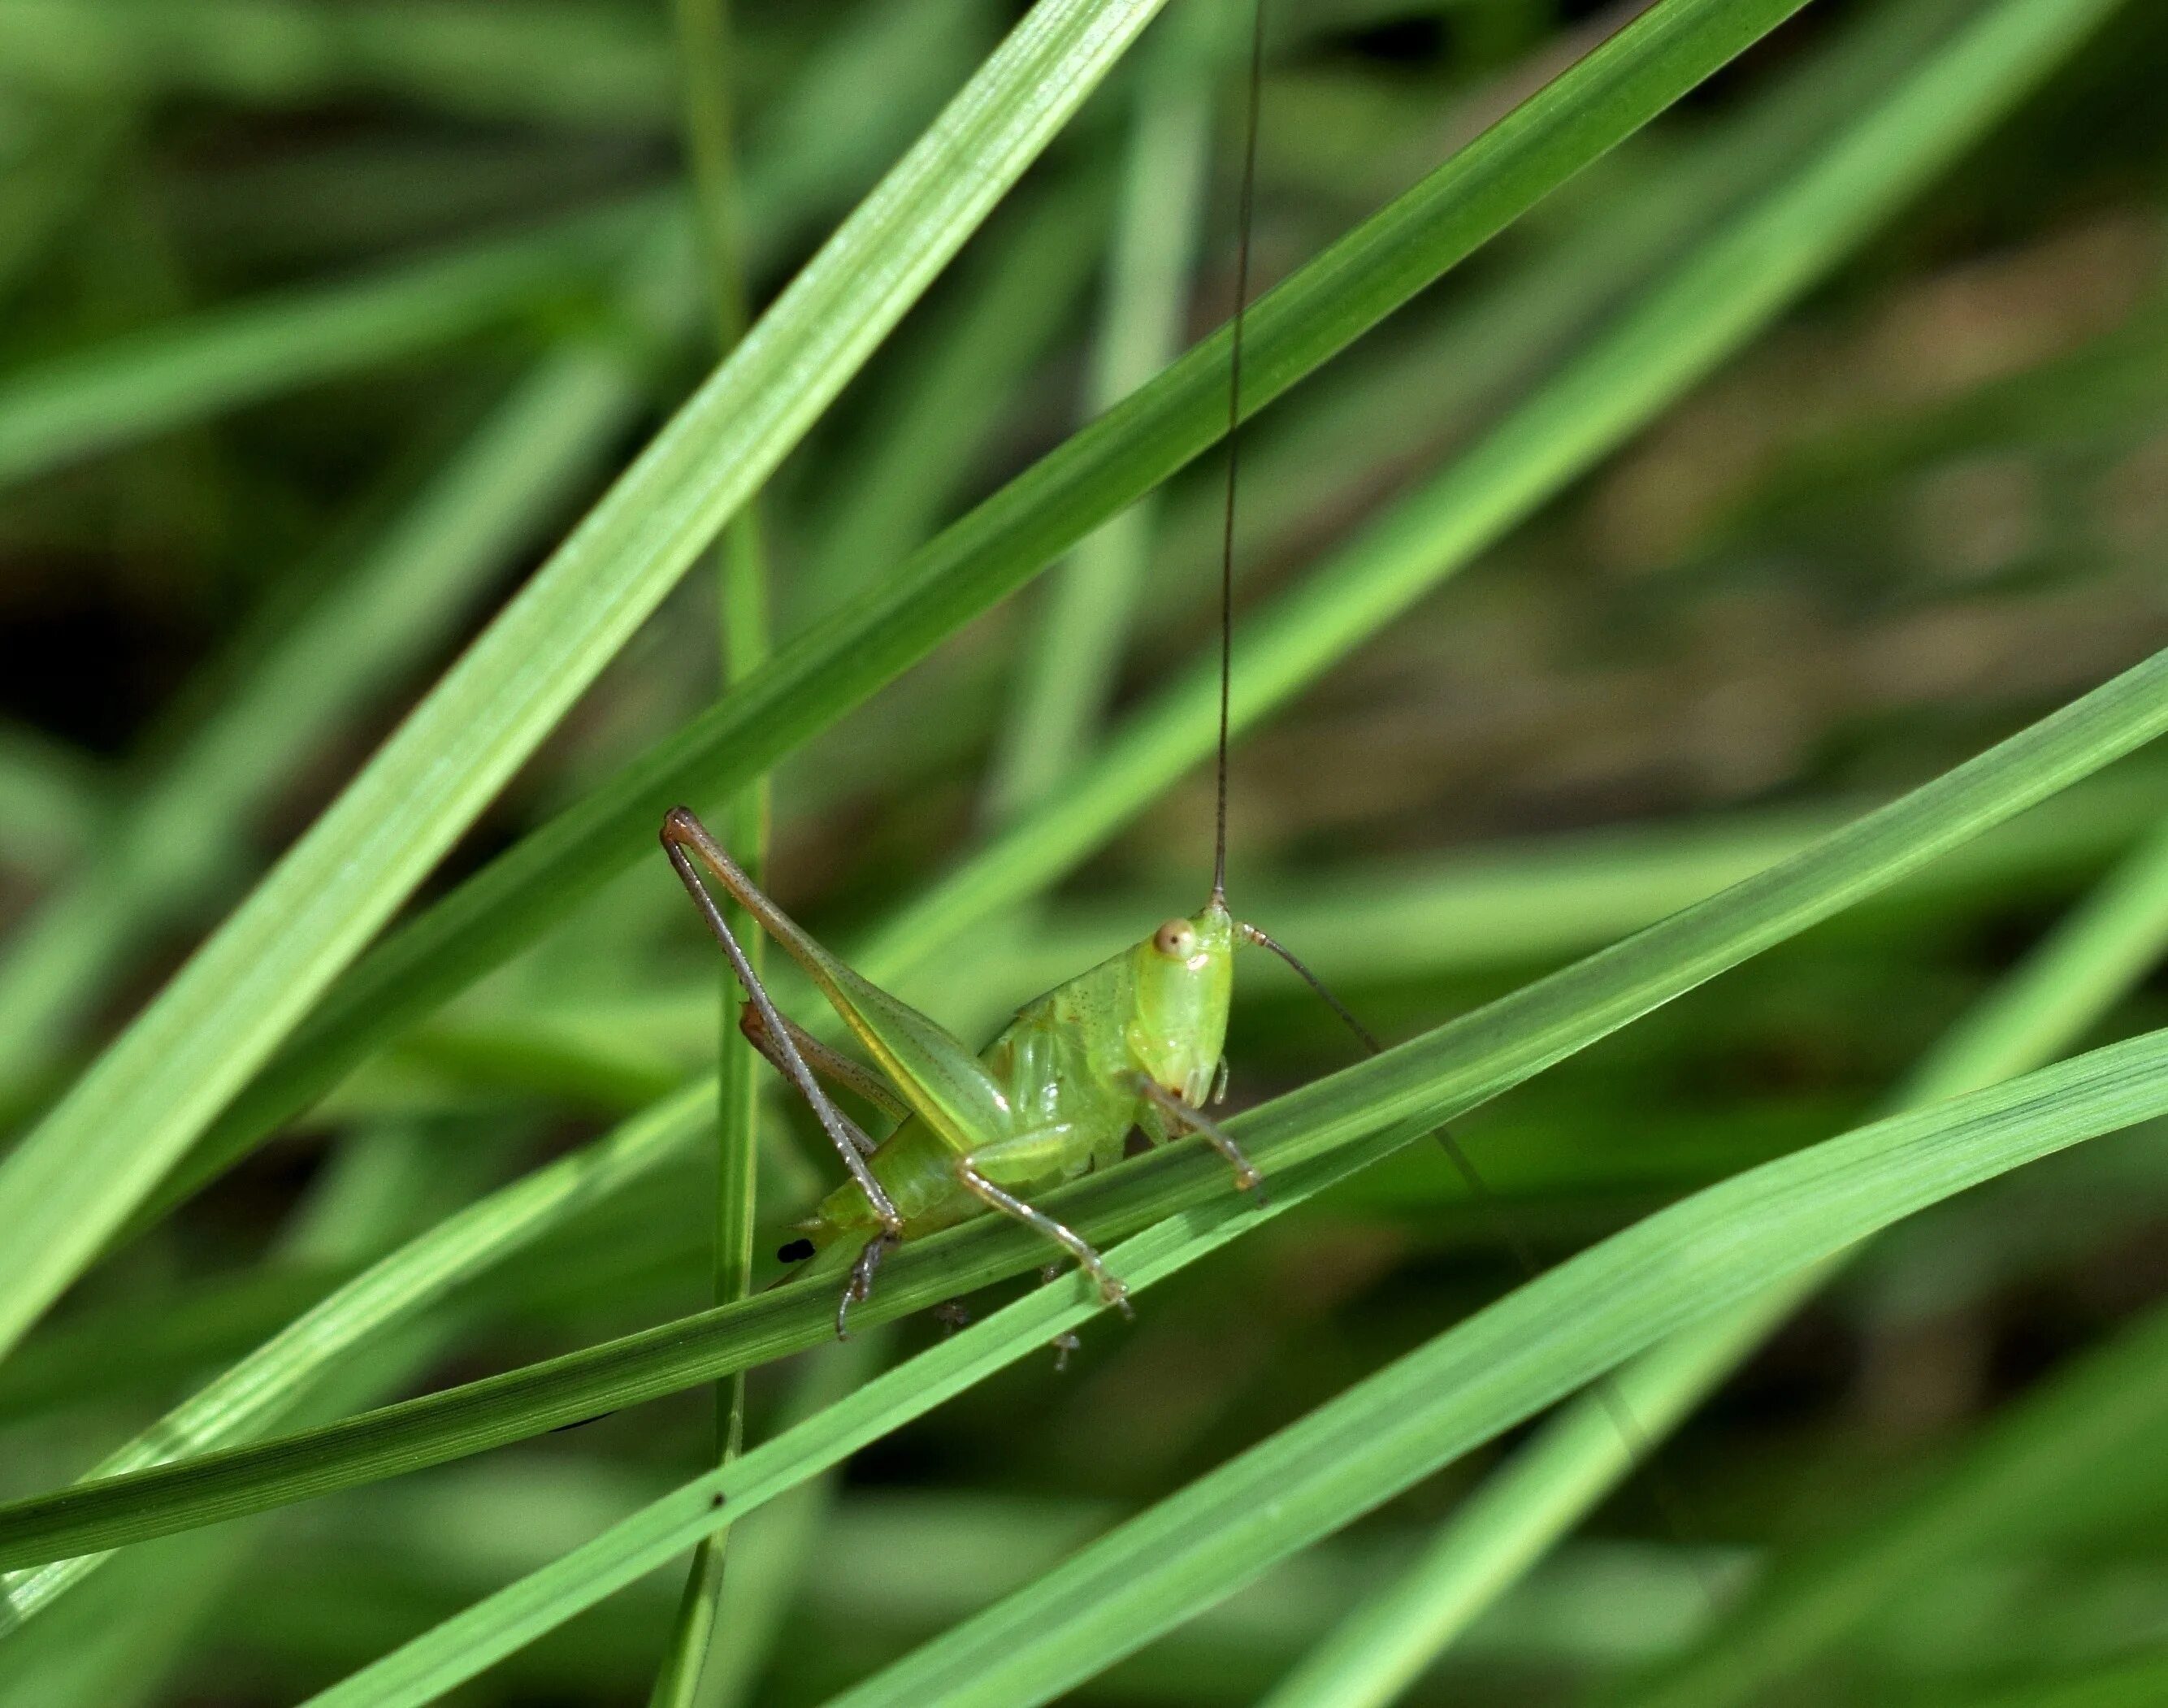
{"x": 1007, "y": 307}
{"x": 1311, "y": 314}
{"x": 112, "y": 1646}
{"x": 459, "y": 1649}
{"x": 1690, "y": 319}
{"x": 80, "y": 1172}
{"x": 83, "y": 400}
{"x": 185, "y": 832}
{"x": 1419, "y": 1083}
{"x": 86, "y": 400}
{"x": 184, "y": 826}
{"x": 1460, "y": 1390}
{"x": 394, "y": 1291}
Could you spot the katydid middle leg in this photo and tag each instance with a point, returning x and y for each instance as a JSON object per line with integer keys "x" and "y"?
{"x": 1030, "y": 1156}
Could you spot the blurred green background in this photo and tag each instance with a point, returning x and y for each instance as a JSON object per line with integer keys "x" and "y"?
{"x": 320, "y": 320}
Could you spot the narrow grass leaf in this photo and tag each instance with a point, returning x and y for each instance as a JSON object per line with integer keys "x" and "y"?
{"x": 1519, "y": 1515}
{"x": 462, "y": 1647}
{"x": 52, "y": 800}
{"x": 185, "y": 831}
{"x": 396, "y": 1290}
{"x": 72, "y": 405}
{"x": 1068, "y": 675}
{"x": 1690, "y": 319}
{"x": 705, "y": 34}
{"x": 1478, "y": 1377}
{"x": 551, "y": 62}
{"x": 2096, "y": 1424}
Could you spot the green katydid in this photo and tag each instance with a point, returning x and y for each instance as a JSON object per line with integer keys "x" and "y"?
{"x": 1135, "y": 1042}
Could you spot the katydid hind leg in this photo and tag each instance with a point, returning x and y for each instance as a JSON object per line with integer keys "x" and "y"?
{"x": 860, "y": 1286}
{"x": 830, "y": 1065}
{"x": 850, "y": 1144}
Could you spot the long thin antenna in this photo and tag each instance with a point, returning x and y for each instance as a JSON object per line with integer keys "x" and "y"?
{"x": 1246, "y": 219}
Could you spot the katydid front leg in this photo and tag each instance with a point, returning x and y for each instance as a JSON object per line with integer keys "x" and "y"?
{"x": 1172, "y": 1109}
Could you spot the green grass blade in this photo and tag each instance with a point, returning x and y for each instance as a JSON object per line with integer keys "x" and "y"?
{"x": 185, "y": 831}
{"x": 1310, "y": 315}
{"x": 111, "y": 1646}
{"x": 789, "y": 1540}
{"x": 2129, "y": 1683}
{"x": 1418, "y": 1084}
{"x": 1688, "y": 320}
{"x": 74, "y": 1178}
{"x": 814, "y": 150}
{"x": 184, "y": 828}
{"x": 704, "y": 30}
{"x": 2093, "y": 959}
{"x": 51, "y": 800}
{"x": 393, "y": 1291}
{"x": 69, "y": 406}
{"x": 1009, "y": 305}
{"x": 460, "y": 1648}
{"x": 2093, "y": 1426}
{"x": 1462, "y": 1388}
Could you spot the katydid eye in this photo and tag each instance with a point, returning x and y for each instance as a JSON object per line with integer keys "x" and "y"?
{"x": 1176, "y": 940}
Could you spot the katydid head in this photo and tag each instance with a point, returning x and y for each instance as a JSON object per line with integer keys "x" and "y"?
{"x": 1185, "y": 977}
